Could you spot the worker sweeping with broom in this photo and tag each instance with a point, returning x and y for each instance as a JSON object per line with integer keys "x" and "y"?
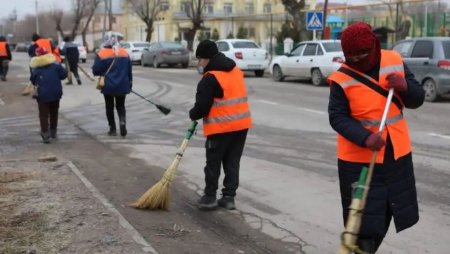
{"x": 221, "y": 101}
{"x": 358, "y": 97}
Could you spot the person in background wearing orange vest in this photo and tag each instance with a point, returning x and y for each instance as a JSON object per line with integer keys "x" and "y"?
{"x": 221, "y": 101}
{"x": 5, "y": 57}
{"x": 47, "y": 44}
{"x": 357, "y": 99}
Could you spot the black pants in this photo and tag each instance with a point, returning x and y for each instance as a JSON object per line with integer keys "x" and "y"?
{"x": 119, "y": 101}
{"x": 226, "y": 149}
{"x": 48, "y": 115}
{"x": 72, "y": 67}
{"x": 4, "y": 65}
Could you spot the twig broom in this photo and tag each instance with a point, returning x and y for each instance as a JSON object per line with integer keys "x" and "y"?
{"x": 158, "y": 196}
{"x": 350, "y": 235}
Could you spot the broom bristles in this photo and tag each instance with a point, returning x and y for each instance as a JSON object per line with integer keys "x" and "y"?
{"x": 158, "y": 196}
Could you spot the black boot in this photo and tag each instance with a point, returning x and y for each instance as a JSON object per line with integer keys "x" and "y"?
{"x": 227, "y": 202}
{"x": 112, "y": 130}
{"x": 53, "y": 133}
{"x": 123, "y": 127}
{"x": 45, "y": 137}
{"x": 79, "y": 81}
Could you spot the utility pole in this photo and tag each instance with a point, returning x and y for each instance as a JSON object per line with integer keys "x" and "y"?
{"x": 104, "y": 18}
{"x": 37, "y": 16}
{"x": 271, "y": 36}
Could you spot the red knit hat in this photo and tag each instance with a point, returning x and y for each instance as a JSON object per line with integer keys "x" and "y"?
{"x": 358, "y": 39}
{"x": 41, "y": 51}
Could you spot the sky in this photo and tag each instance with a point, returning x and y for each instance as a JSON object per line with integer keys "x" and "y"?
{"x": 25, "y": 7}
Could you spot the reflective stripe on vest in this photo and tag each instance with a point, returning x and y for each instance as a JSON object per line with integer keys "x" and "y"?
{"x": 230, "y": 113}
{"x": 3, "y": 51}
{"x": 366, "y": 106}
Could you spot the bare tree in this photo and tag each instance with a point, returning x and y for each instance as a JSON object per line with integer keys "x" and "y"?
{"x": 295, "y": 9}
{"x": 146, "y": 10}
{"x": 90, "y": 11}
{"x": 79, "y": 11}
{"x": 194, "y": 11}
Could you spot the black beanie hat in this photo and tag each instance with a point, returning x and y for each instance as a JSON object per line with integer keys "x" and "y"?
{"x": 206, "y": 49}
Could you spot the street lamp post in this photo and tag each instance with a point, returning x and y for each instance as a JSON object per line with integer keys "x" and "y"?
{"x": 37, "y": 16}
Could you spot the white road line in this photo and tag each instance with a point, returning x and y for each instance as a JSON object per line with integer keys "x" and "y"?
{"x": 299, "y": 108}
{"x": 2, "y": 102}
{"x": 438, "y": 135}
{"x": 137, "y": 237}
{"x": 313, "y": 111}
{"x": 268, "y": 102}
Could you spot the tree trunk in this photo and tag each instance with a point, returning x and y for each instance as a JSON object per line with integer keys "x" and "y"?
{"x": 149, "y": 30}
{"x": 190, "y": 35}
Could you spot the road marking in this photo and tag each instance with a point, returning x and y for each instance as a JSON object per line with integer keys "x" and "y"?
{"x": 313, "y": 111}
{"x": 268, "y": 102}
{"x": 299, "y": 108}
{"x": 2, "y": 102}
{"x": 439, "y": 135}
{"x": 137, "y": 237}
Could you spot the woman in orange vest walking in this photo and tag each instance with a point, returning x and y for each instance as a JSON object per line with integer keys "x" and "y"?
{"x": 5, "y": 57}
{"x": 221, "y": 101}
{"x": 357, "y": 98}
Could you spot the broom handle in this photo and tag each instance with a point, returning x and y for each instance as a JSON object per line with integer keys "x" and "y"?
{"x": 357, "y": 205}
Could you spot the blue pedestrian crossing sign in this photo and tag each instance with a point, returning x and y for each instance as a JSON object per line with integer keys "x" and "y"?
{"x": 314, "y": 20}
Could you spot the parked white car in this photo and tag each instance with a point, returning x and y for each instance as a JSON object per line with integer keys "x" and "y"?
{"x": 83, "y": 52}
{"x": 246, "y": 53}
{"x": 315, "y": 60}
{"x": 134, "y": 49}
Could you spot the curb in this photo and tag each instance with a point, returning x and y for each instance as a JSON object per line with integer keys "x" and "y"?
{"x": 137, "y": 237}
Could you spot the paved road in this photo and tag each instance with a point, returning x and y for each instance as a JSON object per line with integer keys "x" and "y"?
{"x": 289, "y": 187}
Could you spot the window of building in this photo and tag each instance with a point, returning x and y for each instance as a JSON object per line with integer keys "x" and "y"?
{"x": 267, "y": 8}
{"x": 165, "y": 6}
{"x": 228, "y": 8}
{"x": 249, "y": 8}
{"x": 185, "y": 7}
{"x": 209, "y": 8}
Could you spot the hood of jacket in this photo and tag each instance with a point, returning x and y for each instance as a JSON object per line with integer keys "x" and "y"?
{"x": 220, "y": 63}
{"x": 43, "y": 60}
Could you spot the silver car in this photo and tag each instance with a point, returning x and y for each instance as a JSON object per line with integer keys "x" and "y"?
{"x": 429, "y": 60}
{"x": 169, "y": 53}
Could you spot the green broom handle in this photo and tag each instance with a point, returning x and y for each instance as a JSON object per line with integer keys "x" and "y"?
{"x": 191, "y": 130}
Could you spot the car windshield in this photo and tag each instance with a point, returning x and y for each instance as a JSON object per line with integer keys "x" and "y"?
{"x": 446, "y": 46}
{"x": 172, "y": 45}
{"x": 244, "y": 45}
{"x": 332, "y": 46}
{"x": 141, "y": 45}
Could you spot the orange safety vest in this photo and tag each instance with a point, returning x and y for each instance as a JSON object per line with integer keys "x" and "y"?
{"x": 111, "y": 53}
{"x": 230, "y": 113}
{"x": 367, "y": 106}
{"x": 3, "y": 51}
{"x": 44, "y": 43}
{"x": 57, "y": 55}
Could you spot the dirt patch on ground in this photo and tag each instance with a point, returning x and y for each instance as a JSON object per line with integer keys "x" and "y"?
{"x": 46, "y": 209}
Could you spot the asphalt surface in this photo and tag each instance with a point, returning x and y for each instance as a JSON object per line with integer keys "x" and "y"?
{"x": 288, "y": 200}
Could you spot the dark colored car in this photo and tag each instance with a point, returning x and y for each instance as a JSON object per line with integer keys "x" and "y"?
{"x": 429, "y": 60}
{"x": 169, "y": 53}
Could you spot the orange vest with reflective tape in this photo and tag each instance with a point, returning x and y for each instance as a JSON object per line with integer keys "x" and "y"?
{"x": 3, "y": 51}
{"x": 111, "y": 53}
{"x": 367, "y": 106}
{"x": 57, "y": 55}
{"x": 44, "y": 43}
{"x": 232, "y": 112}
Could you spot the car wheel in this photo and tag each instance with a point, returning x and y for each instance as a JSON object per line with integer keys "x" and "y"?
{"x": 259, "y": 73}
{"x": 142, "y": 62}
{"x": 184, "y": 65}
{"x": 83, "y": 60}
{"x": 431, "y": 93}
{"x": 277, "y": 74}
{"x": 316, "y": 77}
{"x": 155, "y": 63}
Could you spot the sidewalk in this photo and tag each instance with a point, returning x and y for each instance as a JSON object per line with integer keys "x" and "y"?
{"x": 45, "y": 207}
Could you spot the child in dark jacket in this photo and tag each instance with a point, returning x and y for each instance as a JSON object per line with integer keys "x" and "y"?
{"x": 46, "y": 75}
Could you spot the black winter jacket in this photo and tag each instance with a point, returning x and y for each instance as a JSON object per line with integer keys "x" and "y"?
{"x": 208, "y": 87}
